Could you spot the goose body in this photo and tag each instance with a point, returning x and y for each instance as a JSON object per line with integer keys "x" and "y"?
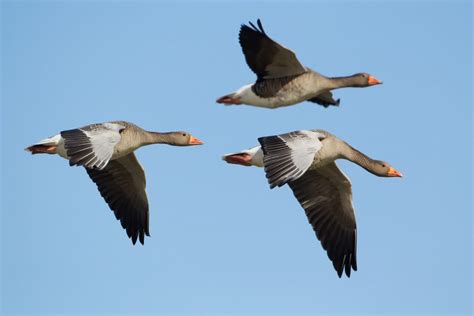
{"x": 106, "y": 151}
{"x": 275, "y": 93}
{"x": 281, "y": 79}
{"x": 305, "y": 160}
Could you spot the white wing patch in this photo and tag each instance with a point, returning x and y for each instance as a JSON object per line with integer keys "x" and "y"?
{"x": 288, "y": 156}
{"x": 304, "y": 145}
{"x": 92, "y": 146}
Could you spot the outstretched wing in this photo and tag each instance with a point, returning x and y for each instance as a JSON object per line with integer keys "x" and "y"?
{"x": 326, "y": 196}
{"x": 267, "y": 58}
{"x": 122, "y": 185}
{"x": 286, "y": 157}
{"x": 92, "y": 146}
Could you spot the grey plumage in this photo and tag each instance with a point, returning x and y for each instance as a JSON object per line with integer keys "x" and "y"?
{"x": 122, "y": 185}
{"x": 321, "y": 193}
{"x": 78, "y": 147}
{"x": 281, "y": 79}
{"x": 267, "y": 58}
{"x": 106, "y": 151}
{"x": 282, "y": 161}
{"x": 305, "y": 160}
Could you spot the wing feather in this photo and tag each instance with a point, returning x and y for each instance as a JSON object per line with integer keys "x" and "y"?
{"x": 286, "y": 157}
{"x": 92, "y": 146}
{"x": 326, "y": 196}
{"x": 122, "y": 185}
{"x": 265, "y": 57}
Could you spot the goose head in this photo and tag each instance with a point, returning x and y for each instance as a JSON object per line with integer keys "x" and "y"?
{"x": 182, "y": 139}
{"x": 384, "y": 169}
{"x": 364, "y": 80}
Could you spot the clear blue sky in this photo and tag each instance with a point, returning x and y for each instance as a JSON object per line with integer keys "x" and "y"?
{"x": 221, "y": 241}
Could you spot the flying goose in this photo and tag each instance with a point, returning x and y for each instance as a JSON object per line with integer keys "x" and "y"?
{"x": 281, "y": 79}
{"x": 106, "y": 151}
{"x": 305, "y": 160}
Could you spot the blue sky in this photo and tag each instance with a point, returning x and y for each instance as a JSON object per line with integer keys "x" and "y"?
{"x": 221, "y": 242}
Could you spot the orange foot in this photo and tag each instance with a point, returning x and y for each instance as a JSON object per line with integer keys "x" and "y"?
{"x": 42, "y": 149}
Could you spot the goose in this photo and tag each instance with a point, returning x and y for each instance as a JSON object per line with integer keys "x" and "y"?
{"x": 305, "y": 160}
{"x": 281, "y": 79}
{"x": 106, "y": 151}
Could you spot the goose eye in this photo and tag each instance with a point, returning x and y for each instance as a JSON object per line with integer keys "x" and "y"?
{"x": 184, "y": 134}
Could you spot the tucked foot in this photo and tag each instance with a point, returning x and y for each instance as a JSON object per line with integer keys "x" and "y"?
{"x": 238, "y": 159}
{"x": 42, "y": 149}
{"x": 228, "y": 100}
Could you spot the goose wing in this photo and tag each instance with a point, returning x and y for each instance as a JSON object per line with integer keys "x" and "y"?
{"x": 326, "y": 196}
{"x": 267, "y": 58}
{"x": 122, "y": 185}
{"x": 92, "y": 146}
{"x": 287, "y": 157}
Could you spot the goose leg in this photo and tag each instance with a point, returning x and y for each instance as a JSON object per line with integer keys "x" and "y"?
{"x": 229, "y": 99}
{"x": 42, "y": 149}
{"x": 238, "y": 159}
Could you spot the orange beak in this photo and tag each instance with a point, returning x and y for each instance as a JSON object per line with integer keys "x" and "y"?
{"x": 194, "y": 141}
{"x": 394, "y": 173}
{"x": 374, "y": 81}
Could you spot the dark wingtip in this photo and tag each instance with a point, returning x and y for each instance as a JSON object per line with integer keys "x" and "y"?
{"x": 244, "y": 27}
{"x": 253, "y": 26}
{"x": 259, "y": 23}
{"x": 338, "y": 101}
{"x": 354, "y": 262}
{"x": 348, "y": 272}
{"x": 142, "y": 237}
{"x": 258, "y": 28}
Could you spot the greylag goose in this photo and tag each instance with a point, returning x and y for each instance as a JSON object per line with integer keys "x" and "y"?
{"x": 106, "y": 151}
{"x": 305, "y": 160}
{"x": 281, "y": 79}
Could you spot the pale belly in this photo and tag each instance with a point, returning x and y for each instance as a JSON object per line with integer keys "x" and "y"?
{"x": 286, "y": 99}
{"x": 60, "y": 150}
